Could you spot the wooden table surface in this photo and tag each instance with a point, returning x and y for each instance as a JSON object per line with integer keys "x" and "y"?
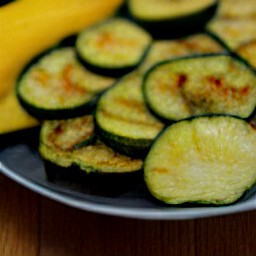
{"x": 34, "y": 225}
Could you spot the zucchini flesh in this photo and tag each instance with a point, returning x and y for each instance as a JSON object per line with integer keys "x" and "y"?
{"x": 57, "y": 86}
{"x": 159, "y": 10}
{"x": 160, "y": 50}
{"x": 114, "y": 47}
{"x": 59, "y": 138}
{"x": 189, "y": 86}
{"x": 233, "y": 32}
{"x": 238, "y": 9}
{"x": 248, "y": 52}
{"x": 209, "y": 160}
{"x": 71, "y": 142}
{"x": 168, "y": 19}
{"x": 123, "y": 119}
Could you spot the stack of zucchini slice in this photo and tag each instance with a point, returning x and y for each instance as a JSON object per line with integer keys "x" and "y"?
{"x": 74, "y": 143}
{"x": 121, "y": 100}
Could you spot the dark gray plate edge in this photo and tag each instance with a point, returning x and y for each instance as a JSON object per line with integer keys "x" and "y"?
{"x": 135, "y": 213}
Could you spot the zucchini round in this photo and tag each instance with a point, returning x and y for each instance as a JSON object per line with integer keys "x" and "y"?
{"x": 200, "y": 43}
{"x": 248, "y": 52}
{"x": 56, "y": 86}
{"x": 72, "y": 142}
{"x": 208, "y": 160}
{"x": 233, "y": 32}
{"x": 239, "y": 9}
{"x": 113, "y": 47}
{"x": 168, "y": 19}
{"x": 123, "y": 119}
{"x": 59, "y": 138}
{"x": 199, "y": 85}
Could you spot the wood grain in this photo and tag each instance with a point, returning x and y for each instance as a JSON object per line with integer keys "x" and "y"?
{"x": 31, "y": 225}
{"x": 19, "y": 211}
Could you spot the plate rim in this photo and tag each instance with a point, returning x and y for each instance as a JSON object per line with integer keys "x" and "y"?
{"x": 127, "y": 212}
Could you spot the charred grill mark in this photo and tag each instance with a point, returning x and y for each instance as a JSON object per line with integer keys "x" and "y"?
{"x": 68, "y": 85}
{"x": 81, "y": 133}
{"x": 161, "y": 170}
{"x": 130, "y": 104}
{"x": 66, "y": 78}
{"x": 128, "y": 119}
{"x": 107, "y": 40}
{"x": 59, "y": 129}
{"x": 194, "y": 45}
{"x": 190, "y": 46}
{"x": 41, "y": 76}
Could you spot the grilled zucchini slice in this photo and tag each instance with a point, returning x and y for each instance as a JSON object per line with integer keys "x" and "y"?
{"x": 248, "y": 52}
{"x": 208, "y": 160}
{"x": 239, "y": 9}
{"x": 113, "y": 47}
{"x": 57, "y": 86}
{"x": 123, "y": 119}
{"x": 189, "y": 86}
{"x": 72, "y": 142}
{"x": 233, "y": 32}
{"x": 168, "y": 19}
{"x": 59, "y": 138}
{"x": 200, "y": 43}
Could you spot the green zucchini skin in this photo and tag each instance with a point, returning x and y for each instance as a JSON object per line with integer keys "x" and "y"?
{"x": 123, "y": 120}
{"x": 121, "y": 65}
{"x": 136, "y": 148}
{"x": 176, "y": 104}
{"x": 58, "y": 114}
{"x": 202, "y": 160}
{"x": 175, "y": 27}
{"x": 112, "y": 72}
{"x": 43, "y": 111}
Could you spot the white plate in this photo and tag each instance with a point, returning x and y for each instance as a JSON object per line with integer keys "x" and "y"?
{"x": 22, "y": 163}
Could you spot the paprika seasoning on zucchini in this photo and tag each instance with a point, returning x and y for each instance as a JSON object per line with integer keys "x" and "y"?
{"x": 57, "y": 86}
{"x": 203, "y": 84}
